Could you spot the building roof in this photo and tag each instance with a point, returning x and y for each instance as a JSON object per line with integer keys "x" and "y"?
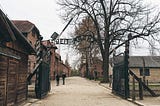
{"x": 141, "y": 61}
{"x": 25, "y": 26}
{"x": 6, "y": 33}
{"x": 11, "y": 33}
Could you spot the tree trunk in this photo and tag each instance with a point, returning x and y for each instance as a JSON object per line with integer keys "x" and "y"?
{"x": 105, "y": 72}
{"x": 105, "y": 67}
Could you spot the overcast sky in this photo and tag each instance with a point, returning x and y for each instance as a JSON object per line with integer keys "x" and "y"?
{"x": 43, "y": 13}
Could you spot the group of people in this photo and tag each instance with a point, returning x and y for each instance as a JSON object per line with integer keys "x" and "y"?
{"x": 58, "y": 78}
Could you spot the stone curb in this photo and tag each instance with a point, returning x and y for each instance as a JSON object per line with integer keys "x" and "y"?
{"x": 136, "y": 102}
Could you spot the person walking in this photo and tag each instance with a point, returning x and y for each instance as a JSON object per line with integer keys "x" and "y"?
{"x": 63, "y": 77}
{"x": 57, "y": 79}
{"x": 95, "y": 74}
{"x": 110, "y": 80}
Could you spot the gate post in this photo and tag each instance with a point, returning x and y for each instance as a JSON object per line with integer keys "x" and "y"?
{"x": 133, "y": 89}
{"x": 126, "y": 67}
{"x": 126, "y": 74}
{"x": 140, "y": 89}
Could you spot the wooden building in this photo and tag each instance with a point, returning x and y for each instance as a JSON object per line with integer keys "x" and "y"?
{"x": 14, "y": 51}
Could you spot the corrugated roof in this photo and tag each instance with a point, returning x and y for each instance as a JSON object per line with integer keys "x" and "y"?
{"x": 152, "y": 61}
{"x": 135, "y": 61}
{"x": 141, "y": 61}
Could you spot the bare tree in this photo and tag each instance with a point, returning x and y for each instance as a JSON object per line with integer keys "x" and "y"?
{"x": 152, "y": 48}
{"x": 87, "y": 45}
{"x": 83, "y": 29}
{"x": 114, "y": 20}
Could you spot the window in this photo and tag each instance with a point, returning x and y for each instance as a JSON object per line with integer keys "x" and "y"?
{"x": 33, "y": 33}
{"x": 141, "y": 71}
{"x": 146, "y": 72}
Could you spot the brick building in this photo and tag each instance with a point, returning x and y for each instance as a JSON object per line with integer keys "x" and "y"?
{"x": 66, "y": 69}
{"x": 32, "y": 34}
{"x": 96, "y": 65}
{"x": 61, "y": 67}
{"x": 51, "y": 47}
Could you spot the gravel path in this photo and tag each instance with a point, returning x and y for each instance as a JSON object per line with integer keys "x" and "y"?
{"x": 81, "y": 92}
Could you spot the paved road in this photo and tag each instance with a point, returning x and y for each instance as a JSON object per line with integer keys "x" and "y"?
{"x": 81, "y": 92}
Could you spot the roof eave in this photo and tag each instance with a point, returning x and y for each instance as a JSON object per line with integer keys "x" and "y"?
{"x": 31, "y": 50}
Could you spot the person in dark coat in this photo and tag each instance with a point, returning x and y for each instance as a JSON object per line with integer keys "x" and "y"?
{"x": 57, "y": 79}
{"x": 95, "y": 74}
{"x": 110, "y": 80}
{"x": 63, "y": 77}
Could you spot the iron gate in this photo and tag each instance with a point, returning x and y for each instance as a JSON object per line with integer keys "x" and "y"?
{"x": 42, "y": 84}
{"x": 120, "y": 86}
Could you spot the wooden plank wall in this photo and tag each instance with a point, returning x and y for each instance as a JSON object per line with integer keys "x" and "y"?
{"x": 21, "y": 69}
{"x": 13, "y": 80}
{"x": 3, "y": 79}
{"x": 22, "y": 88}
{"x": 12, "y": 74}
